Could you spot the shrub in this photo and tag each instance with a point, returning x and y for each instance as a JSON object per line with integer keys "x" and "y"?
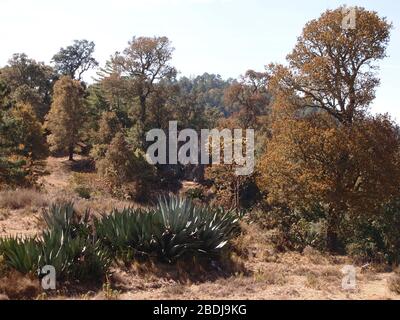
{"x": 83, "y": 192}
{"x": 64, "y": 217}
{"x": 16, "y": 171}
{"x": 174, "y": 229}
{"x": 232, "y": 190}
{"x": 375, "y": 239}
{"x": 394, "y": 282}
{"x": 127, "y": 171}
{"x": 195, "y": 194}
{"x": 295, "y": 229}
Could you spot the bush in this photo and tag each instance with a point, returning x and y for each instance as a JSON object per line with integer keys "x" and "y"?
{"x": 375, "y": 239}
{"x": 15, "y": 172}
{"x": 295, "y": 229}
{"x": 174, "y": 229}
{"x": 127, "y": 171}
{"x": 195, "y": 194}
{"x": 83, "y": 192}
{"x": 394, "y": 282}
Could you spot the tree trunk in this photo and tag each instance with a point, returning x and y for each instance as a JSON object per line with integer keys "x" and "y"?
{"x": 332, "y": 240}
{"x": 143, "y": 110}
{"x": 71, "y": 153}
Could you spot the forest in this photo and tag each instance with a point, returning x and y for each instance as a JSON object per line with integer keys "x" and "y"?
{"x": 77, "y": 192}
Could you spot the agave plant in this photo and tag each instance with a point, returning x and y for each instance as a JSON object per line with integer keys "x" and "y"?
{"x": 21, "y": 254}
{"x": 126, "y": 233}
{"x": 64, "y": 217}
{"x": 78, "y": 257}
{"x": 192, "y": 230}
{"x": 67, "y": 245}
{"x": 174, "y": 228}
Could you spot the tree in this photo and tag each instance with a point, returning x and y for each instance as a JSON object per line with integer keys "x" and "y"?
{"x": 316, "y": 161}
{"x": 22, "y": 142}
{"x": 29, "y": 82}
{"x": 66, "y": 116}
{"x": 108, "y": 127}
{"x": 126, "y": 171}
{"x": 26, "y": 132}
{"x": 144, "y": 63}
{"x": 207, "y": 90}
{"x": 76, "y": 59}
{"x": 332, "y": 68}
{"x": 325, "y": 149}
{"x": 115, "y": 166}
{"x": 248, "y": 98}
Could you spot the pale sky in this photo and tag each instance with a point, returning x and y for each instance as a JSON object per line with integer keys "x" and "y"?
{"x": 226, "y": 37}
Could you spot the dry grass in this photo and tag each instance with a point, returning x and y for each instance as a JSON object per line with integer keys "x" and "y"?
{"x": 23, "y": 198}
{"x": 16, "y": 286}
{"x": 394, "y": 282}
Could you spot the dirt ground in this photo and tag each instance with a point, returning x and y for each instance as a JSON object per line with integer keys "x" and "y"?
{"x": 263, "y": 273}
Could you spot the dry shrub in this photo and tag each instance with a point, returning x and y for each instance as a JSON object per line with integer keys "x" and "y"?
{"x": 270, "y": 277}
{"x": 176, "y": 289}
{"x": 313, "y": 281}
{"x": 18, "y": 287}
{"x": 394, "y": 282}
{"x": 314, "y": 256}
{"x": 253, "y": 244}
{"x": 22, "y": 198}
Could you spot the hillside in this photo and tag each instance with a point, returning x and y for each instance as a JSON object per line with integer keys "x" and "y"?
{"x": 262, "y": 273}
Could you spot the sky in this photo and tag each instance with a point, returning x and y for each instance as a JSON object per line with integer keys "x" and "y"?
{"x": 225, "y": 37}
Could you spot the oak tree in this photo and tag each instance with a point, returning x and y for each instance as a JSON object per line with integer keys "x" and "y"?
{"x": 75, "y": 59}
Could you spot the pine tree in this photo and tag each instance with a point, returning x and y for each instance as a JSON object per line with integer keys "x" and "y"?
{"x": 66, "y": 116}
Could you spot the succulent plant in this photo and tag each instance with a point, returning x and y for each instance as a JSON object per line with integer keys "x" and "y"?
{"x": 174, "y": 228}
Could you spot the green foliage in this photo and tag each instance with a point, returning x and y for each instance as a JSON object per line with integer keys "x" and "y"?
{"x": 25, "y": 133}
{"x": 27, "y": 82}
{"x": 195, "y": 194}
{"x": 189, "y": 229}
{"x": 366, "y": 238}
{"x": 14, "y": 172}
{"x": 78, "y": 257}
{"x": 64, "y": 217}
{"x": 127, "y": 172}
{"x": 67, "y": 244}
{"x": 174, "y": 229}
{"x": 83, "y": 192}
{"x": 76, "y": 59}
{"x": 21, "y": 254}
{"x": 127, "y": 233}
{"x": 294, "y": 229}
{"x": 67, "y": 116}
{"x": 375, "y": 238}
